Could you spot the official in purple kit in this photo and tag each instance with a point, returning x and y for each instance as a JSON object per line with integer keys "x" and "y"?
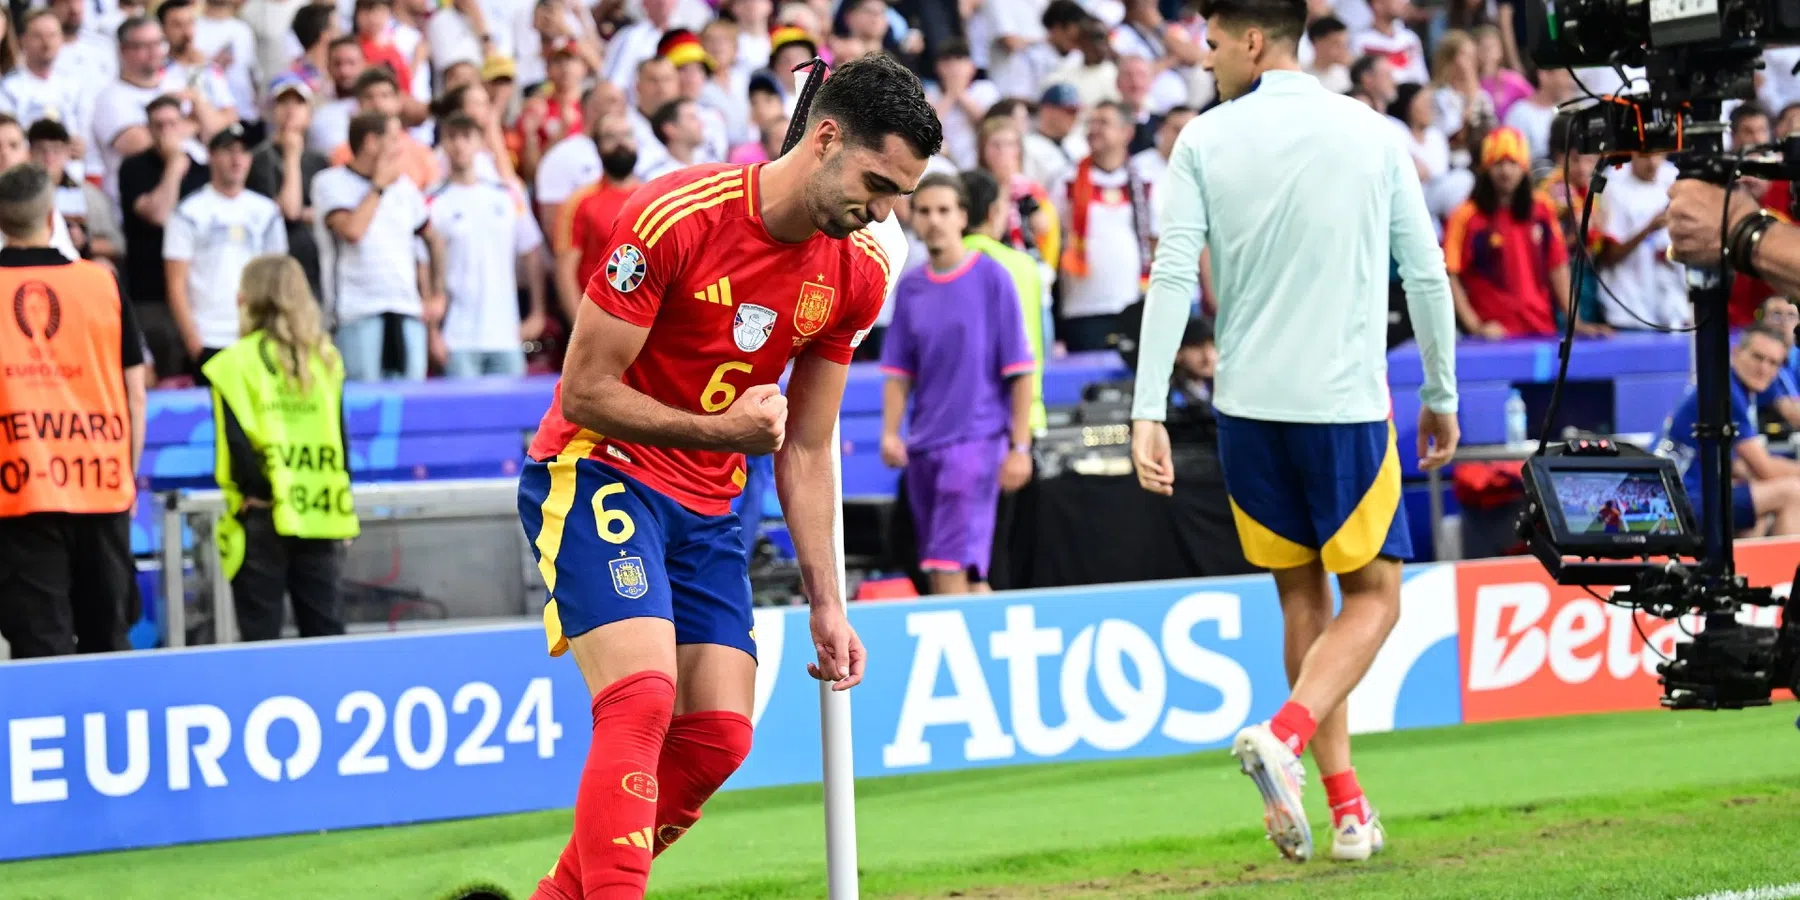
{"x": 957, "y": 349}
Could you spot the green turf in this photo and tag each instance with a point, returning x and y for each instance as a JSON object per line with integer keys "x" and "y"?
{"x": 1633, "y": 805}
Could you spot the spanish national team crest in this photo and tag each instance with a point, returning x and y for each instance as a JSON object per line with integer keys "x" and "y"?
{"x": 751, "y": 327}
{"x": 814, "y": 308}
{"x": 625, "y": 270}
{"x": 629, "y": 577}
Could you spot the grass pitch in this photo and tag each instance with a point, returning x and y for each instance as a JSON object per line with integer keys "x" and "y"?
{"x": 1635, "y": 805}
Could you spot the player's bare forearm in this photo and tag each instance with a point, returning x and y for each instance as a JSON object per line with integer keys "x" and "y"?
{"x": 803, "y": 474}
{"x": 594, "y": 396}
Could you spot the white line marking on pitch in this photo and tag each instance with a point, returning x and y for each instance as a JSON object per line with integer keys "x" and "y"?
{"x": 1766, "y": 892}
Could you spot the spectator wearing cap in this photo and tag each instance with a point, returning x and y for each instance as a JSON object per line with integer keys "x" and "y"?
{"x": 37, "y": 90}
{"x": 693, "y": 71}
{"x": 1331, "y": 55}
{"x": 728, "y": 86}
{"x": 501, "y": 75}
{"x": 677, "y": 126}
{"x": 790, "y": 46}
{"x": 1105, "y": 210}
{"x": 213, "y": 234}
{"x": 961, "y": 100}
{"x": 637, "y": 42}
{"x": 331, "y": 117}
{"x": 552, "y": 111}
{"x": 370, "y": 216}
{"x": 90, "y": 223}
{"x": 1092, "y": 71}
{"x": 378, "y": 91}
{"x": 226, "y": 40}
{"x": 151, "y": 184}
{"x": 1504, "y": 250}
{"x": 283, "y": 168}
{"x": 1054, "y": 145}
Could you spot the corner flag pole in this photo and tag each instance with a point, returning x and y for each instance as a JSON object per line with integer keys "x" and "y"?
{"x": 834, "y": 706}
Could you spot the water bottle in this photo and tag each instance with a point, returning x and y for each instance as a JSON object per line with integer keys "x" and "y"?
{"x": 1517, "y": 428}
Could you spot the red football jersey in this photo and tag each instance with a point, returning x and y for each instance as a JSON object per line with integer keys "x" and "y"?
{"x": 727, "y": 306}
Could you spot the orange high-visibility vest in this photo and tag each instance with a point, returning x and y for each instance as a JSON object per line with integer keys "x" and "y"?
{"x": 65, "y": 427}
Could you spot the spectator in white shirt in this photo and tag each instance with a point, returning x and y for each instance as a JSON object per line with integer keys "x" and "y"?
{"x": 1643, "y": 288}
{"x": 482, "y": 333}
{"x": 331, "y": 119}
{"x": 191, "y": 71}
{"x": 89, "y": 55}
{"x": 1055, "y": 143}
{"x": 1388, "y": 36}
{"x": 227, "y": 41}
{"x": 1091, "y": 72}
{"x": 961, "y": 100}
{"x": 637, "y": 42}
{"x": 1331, "y": 55}
{"x": 574, "y": 163}
{"x": 36, "y": 90}
{"x": 371, "y": 215}
{"x": 1372, "y": 82}
{"x": 752, "y": 18}
{"x": 677, "y": 127}
{"x": 1532, "y": 114}
{"x": 727, "y": 84}
{"x": 213, "y": 234}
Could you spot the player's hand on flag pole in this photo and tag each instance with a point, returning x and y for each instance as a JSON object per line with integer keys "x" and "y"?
{"x": 841, "y": 653}
{"x": 1438, "y": 435}
{"x": 1151, "y": 455}
{"x": 756, "y": 424}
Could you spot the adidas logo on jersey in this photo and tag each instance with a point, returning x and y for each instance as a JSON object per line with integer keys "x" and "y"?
{"x": 718, "y": 292}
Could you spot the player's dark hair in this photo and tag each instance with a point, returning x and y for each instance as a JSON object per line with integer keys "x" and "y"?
{"x": 163, "y": 102}
{"x": 1488, "y": 199}
{"x": 311, "y": 22}
{"x": 949, "y": 182}
{"x": 873, "y": 97}
{"x": 665, "y": 117}
{"x": 169, "y": 6}
{"x": 364, "y": 126}
{"x": 1281, "y": 20}
{"x": 1764, "y": 329}
{"x": 460, "y": 122}
{"x": 373, "y": 76}
{"x": 1324, "y": 27}
{"x": 1062, "y": 13}
{"x": 980, "y": 192}
{"x": 132, "y": 24}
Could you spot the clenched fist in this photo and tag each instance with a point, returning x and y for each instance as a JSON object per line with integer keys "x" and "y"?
{"x": 757, "y": 422}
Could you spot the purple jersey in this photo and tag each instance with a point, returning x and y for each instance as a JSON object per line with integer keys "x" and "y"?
{"x": 960, "y": 337}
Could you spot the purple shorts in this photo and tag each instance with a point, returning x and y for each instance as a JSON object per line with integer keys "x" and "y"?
{"x": 954, "y": 491}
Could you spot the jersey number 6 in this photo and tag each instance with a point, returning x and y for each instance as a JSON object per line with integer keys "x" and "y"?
{"x": 615, "y": 526}
{"x": 719, "y": 393}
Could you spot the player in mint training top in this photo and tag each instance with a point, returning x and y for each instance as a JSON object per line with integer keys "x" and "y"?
{"x": 718, "y": 278}
{"x": 957, "y": 350}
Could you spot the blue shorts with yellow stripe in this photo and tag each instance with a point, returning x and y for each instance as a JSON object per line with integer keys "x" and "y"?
{"x": 1305, "y": 491}
{"x": 611, "y": 549}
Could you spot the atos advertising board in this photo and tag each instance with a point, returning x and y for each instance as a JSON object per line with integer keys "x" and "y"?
{"x": 1532, "y": 648}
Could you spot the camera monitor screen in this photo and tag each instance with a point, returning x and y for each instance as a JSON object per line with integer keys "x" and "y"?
{"x": 1628, "y": 501}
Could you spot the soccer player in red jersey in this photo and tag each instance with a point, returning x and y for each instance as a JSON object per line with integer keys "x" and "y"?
{"x": 718, "y": 277}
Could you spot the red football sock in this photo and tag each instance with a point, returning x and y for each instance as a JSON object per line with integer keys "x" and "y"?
{"x": 1345, "y": 796}
{"x": 1293, "y": 725}
{"x": 615, "y": 812}
{"x": 564, "y": 881}
{"x": 700, "y": 752}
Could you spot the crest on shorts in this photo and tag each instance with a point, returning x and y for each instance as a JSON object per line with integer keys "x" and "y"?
{"x": 625, "y": 269}
{"x": 629, "y": 577}
{"x": 751, "y": 327}
{"x": 813, "y": 309}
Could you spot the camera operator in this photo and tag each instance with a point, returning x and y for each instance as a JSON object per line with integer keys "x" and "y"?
{"x": 1756, "y": 241}
{"x": 1768, "y": 485}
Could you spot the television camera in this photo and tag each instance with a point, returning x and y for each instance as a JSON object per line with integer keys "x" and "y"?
{"x": 1602, "y": 514}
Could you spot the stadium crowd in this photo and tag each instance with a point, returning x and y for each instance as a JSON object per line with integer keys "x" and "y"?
{"x": 183, "y": 134}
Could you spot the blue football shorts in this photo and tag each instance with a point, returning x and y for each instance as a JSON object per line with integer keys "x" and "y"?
{"x": 611, "y": 549}
{"x": 1305, "y": 491}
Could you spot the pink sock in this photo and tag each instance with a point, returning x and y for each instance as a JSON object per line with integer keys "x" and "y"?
{"x": 1346, "y": 797}
{"x": 1293, "y": 725}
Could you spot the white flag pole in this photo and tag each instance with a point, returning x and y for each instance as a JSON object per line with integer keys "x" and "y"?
{"x": 834, "y": 729}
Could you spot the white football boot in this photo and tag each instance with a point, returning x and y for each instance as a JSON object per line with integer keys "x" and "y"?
{"x": 1354, "y": 841}
{"x": 1280, "y": 777}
